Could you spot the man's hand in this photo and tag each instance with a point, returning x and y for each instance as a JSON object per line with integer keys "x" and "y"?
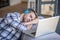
{"x": 29, "y": 27}
{"x": 25, "y": 23}
{"x": 21, "y": 17}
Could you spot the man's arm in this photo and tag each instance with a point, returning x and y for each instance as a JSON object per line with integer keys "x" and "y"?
{"x": 31, "y": 22}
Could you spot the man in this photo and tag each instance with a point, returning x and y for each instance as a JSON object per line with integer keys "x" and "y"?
{"x": 13, "y": 23}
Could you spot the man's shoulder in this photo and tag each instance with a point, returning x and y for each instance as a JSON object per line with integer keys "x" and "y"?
{"x": 13, "y": 14}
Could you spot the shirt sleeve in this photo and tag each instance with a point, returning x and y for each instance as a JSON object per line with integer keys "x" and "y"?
{"x": 11, "y": 17}
{"x": 14, "y": 20}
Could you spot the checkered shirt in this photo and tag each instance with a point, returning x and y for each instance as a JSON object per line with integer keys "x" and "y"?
{"x": 11, "y": 27}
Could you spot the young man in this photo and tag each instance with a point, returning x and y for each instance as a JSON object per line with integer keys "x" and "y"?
{"x": 13, "y": 23}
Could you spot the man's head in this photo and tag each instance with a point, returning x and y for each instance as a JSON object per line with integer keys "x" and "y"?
{"x": 29, "y": 15}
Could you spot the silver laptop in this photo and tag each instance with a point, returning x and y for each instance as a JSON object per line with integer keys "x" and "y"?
{"x": 45, "y": 26}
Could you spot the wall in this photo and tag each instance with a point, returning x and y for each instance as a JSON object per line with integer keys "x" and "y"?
{"x": 13, "y": 2}
{"x": 58, "y": 27}
{"x": 58, "y": 7}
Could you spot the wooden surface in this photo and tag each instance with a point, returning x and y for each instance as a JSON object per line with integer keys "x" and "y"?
{"x": 15, "y": 8}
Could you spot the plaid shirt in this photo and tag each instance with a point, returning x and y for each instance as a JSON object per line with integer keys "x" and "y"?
{"x": 11, "y": 27}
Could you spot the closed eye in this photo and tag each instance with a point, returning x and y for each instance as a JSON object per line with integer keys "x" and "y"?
{"x": 30, "y": 16}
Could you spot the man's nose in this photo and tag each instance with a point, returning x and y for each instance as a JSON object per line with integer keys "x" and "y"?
{"x": 30, "y": 19}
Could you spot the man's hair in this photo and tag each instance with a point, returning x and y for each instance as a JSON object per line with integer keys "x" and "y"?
{"x": 26, "y": 11}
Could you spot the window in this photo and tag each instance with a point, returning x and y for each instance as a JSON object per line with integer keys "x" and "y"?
{"x": 46, "y": 7}
{"x": 4, "y": 3}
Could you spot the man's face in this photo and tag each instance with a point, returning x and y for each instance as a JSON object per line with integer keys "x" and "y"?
{"x": 29, "y": 17}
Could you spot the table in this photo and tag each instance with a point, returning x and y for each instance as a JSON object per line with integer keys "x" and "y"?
{"x": 51, "y": 36}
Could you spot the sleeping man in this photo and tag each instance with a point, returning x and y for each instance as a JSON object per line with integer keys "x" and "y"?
{"x": 13, "y": 23}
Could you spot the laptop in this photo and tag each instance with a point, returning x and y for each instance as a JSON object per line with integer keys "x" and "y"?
{"x": 45, "y": 26}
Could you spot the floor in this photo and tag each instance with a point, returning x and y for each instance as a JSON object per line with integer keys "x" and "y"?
{"x": 18, "y": 8}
